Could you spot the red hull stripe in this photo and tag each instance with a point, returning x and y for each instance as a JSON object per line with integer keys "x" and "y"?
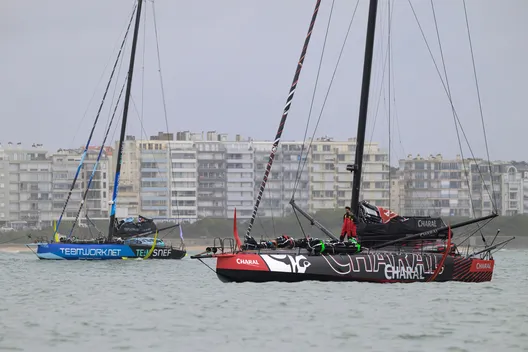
{"x": 480, "y": 266}
{"x": 251, "y": 262}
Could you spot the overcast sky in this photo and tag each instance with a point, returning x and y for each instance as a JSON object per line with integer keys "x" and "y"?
{"x": 228, "y": 66}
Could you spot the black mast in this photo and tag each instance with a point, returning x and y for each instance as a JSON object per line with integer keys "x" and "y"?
{"x": 363, "y": 107}
{"x": 111, "y": 227}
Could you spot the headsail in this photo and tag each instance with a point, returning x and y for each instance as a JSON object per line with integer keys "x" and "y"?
{"x": 95, "y": 122}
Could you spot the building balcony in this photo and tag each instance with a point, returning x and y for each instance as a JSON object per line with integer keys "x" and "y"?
{"x": 154, "y": 207}
{"x": 154, "y": 189}
{"x": 213, "y": 198}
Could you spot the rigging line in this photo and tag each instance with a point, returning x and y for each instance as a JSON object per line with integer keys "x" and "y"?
{"x": 466, "y": 171}
{"x": 263, "y": 228}
{"x": 381, "y": 90}
{"x": 96, "y": 164}
{"x": 298, "y": 180}
{"x": 115, "y": 87}
{"x": 282, "y": 123}
{"x": 272, "y": 217}
{"x": 395, "y": 113}
{"x": 389, "y": 15}
{"x": 143, "y": 135}
{"x": 385, "y": 62}
{"x": 315, "y": 87}
{"x": 480, "y": 106}
{"x": 165, "y": 114}
{"x": 94, "y": 125}
{"x": 300, "y": 224}
{"x": 443, "y": 84}
{"x": 143, "y": 63}
{"x": 99, "y": 81}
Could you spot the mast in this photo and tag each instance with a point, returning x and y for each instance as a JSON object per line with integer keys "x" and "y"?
{"x": 85, "y": 151}
{"x": 363, "y": 107}
{"x": 283, "y": 119}
{"x": 111, "y": 227}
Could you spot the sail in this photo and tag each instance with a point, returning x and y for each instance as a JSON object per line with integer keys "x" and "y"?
{"x": 377, "y": 224}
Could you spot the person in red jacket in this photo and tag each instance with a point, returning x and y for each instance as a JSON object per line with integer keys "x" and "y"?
{"x": 349, "y": 226}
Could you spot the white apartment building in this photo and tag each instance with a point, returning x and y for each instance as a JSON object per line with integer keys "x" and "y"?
{"x": 25, "y": 186}
{"x": 65, "y": 163}
{"x": 154, "y": 196}
{"x": 396, "y": 191}
{"x": 240, "y": 179}
{"x": 129, "y": 180}
{"x": 184, "y": 180}
{"x": 504, "y": 189}
{"x": 64, "y": 166}
{"x": 331, "y": 183}
{"x": 212, "y": 177}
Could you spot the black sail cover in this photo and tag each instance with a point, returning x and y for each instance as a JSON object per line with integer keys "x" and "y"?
{"x": 376, "y": 225}
{"x": 143, "y": 227}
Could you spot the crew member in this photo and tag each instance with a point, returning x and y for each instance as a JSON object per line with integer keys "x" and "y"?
{"x": 285, "y": 241}
{"x": 349, "y": 226}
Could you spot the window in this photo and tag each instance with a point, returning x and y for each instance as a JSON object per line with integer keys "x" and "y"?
{"x": 341, "y": 157}
{"x": 326, "y": 148}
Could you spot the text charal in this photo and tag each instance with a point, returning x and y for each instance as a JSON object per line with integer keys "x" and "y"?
{"x": 427, "y": 223}
{"x": 247, "y": 261}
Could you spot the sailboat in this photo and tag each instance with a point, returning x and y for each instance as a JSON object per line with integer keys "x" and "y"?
{"x": 126, "y": 239}
{"x": 387, "y": 251}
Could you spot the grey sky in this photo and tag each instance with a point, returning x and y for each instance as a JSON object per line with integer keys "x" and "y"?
{"x": 228, "y": 66}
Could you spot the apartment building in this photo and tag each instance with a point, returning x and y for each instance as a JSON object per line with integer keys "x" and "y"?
{"x": 522, "y": 168}
{"x": 212, "y": 177}
{"x": 434, "y": 186}
{"x": 331, "y": 183}
{"x": 129, "y": 180}
{"x": 281, "y": 183}
{"x": 93, "y": 173}
{"x": 184, "y": 180}
{"x": 395, "y": 191}
{"x": 25, "y": 186}
{"x": 503, "y": 188}
{"x": 154, "y": 185}
{"x": 240, "y": 178}
{"x": 440, "y": 187}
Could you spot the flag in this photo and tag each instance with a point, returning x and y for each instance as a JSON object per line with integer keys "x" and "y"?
{"x": 386, "y": 214}
{"x": 235, "y": 232}
{"x": 181, "y": 232}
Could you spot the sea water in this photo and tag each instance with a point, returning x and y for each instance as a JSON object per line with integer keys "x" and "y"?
{"x": 180, "y": 305}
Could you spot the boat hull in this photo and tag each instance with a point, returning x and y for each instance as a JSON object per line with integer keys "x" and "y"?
{"x": 94, "y": 251}
{"x": 381, "y": 267}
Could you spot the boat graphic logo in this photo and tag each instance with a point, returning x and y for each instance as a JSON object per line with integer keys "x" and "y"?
{"x": 286, "y": 263}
